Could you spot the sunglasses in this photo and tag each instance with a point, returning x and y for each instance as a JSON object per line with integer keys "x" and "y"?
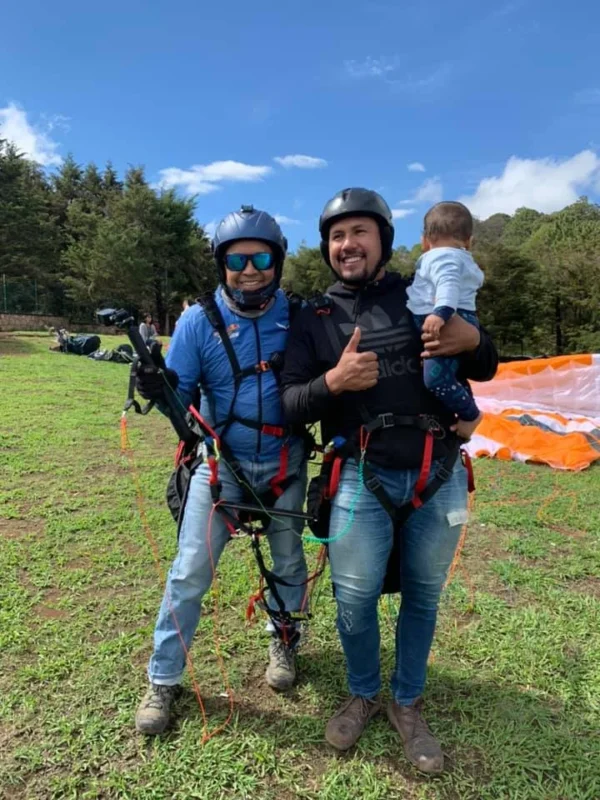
{"x": 237, "y": 262}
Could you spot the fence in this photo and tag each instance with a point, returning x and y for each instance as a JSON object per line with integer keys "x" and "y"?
{"x": 20, "y": 296}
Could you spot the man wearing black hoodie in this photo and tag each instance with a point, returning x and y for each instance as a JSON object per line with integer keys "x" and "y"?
{"x": 354, "y": 364}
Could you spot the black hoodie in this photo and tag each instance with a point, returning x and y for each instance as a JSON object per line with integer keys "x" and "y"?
{"x": 387, "y": 329}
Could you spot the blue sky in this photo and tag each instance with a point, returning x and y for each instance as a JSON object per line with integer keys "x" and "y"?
{"x": 497, "y": 103}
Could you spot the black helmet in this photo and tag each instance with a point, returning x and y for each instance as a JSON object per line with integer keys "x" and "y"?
{"x": 356, "y": 202}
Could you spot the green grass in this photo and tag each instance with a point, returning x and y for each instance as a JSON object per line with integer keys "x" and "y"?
{"x": 514, "y": 683}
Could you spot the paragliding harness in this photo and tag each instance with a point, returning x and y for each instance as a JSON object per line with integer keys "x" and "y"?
{"x": 199, "y": 443}
{"x": 323, "y": 488}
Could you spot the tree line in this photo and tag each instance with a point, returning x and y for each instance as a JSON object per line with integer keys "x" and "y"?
{"x": 85, "y": 238}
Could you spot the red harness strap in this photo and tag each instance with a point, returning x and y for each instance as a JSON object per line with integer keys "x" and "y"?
{"x": 273, "y": 430}
{"x": 334, "y": 479}
{"x": 466, "y": 459}
{"x": 275, "y": 482}
{"x": 425, "y": 470}
{"x": 214, "y": 470}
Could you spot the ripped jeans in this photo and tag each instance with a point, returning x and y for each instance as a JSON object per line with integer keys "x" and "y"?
{"x": 358, "y": 565}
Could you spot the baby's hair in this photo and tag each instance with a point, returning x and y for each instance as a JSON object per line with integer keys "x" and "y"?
{"x": 448, "y": 220}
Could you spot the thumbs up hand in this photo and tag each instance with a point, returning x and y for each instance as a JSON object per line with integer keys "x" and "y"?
{"x": 352, "y": 346}
{"x": 354, "y": 371}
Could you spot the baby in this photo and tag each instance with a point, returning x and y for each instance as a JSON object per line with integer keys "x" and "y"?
{"x": 446, "y": 282}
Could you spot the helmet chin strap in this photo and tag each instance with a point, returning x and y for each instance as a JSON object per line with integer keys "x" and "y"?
{"x": 254, "y": 300}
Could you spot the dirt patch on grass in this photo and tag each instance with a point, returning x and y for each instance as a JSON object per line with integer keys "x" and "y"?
{"x": 587, "y": 586}
{"x": 46, "y": 612}
{"x": 17, "y": 528}
{"x": 46, "y": 609}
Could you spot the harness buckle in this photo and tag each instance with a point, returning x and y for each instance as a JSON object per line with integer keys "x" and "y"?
{"x": 443, "y": 473}
{"x": 262, "y": 366}
{"x": 387, "y": 420}
{"x": 435, "y": 428}
{"x": 373, "y": 483}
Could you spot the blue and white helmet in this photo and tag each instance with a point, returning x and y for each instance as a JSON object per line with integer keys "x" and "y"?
{"x": 250, "y": 223}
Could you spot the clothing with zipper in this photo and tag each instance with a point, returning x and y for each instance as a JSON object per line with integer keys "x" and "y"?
{"x": 361, "y": 531}
{"x": 198, "y": 357}
{"x": 387, "y": 329}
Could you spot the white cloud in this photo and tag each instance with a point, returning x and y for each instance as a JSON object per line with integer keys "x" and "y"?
{"x": 302, "y": 162}
{"x": 425, "y": 83}
{"x": 281, "y": 219}
{"x": 400, "y": 213}
{"x": 415, "y": 166}
{"x": 588, "y": 97}
{"x": 205, "y": 178}
{"x": 371, "y": 67}
{"x": 33, "y": 142}
{"x": 430, "y": 191}
{"x": 544, "y": 184}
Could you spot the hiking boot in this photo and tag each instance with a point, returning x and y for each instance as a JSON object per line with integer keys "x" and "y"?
{"x": 281, "y": 672}
{"x": 344, "y": 729}
{"x": 420, "y": 746}
{"x": 152, "y": 715}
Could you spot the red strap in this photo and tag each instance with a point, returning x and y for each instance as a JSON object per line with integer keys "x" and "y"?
{"x": 179, "y": 452}
{"x": 204, "y": 424}
{"x": 466, "y": 459}
{"x": 251, "y": 609}
{"x": 334, "y": 480}
{"x": 214, "y": 471}
{"x": 273, "y": 430}
{"x": 425, "y": 470}
{"x": 282, "y": 474}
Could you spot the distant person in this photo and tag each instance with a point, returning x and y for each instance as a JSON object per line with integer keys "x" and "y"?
{"x": 185, "y": 306}
{"x": 148, "y": 330}
{"x": 446, "y": 283}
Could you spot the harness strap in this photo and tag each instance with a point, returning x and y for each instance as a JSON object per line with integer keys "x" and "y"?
{"x": 264, "y": 427}
{"x": 399, "y": 514}
{"x": 277, "y": 480}
{"x": 334, "y": 480}
{"x": 468, "y": 463}
{"x": 322, "y": 305}
{"x": 423, "y": 422}
{"x": 425, "y": 470}
{"x": 214, "y": 316}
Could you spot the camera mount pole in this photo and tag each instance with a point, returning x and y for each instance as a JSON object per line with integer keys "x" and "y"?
{"x": 125, "y": 322}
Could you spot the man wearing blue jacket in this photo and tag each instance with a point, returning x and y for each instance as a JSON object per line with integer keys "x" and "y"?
{"x": 249, "y": 250}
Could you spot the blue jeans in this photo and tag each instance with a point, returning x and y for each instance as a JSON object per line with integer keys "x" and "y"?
{"x": 358, "y": 565}
{"x": 439, "y": 375}
{"x": 191, "y": 573}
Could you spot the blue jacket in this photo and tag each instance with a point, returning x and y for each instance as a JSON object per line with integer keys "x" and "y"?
{"x": 198, "y": 357}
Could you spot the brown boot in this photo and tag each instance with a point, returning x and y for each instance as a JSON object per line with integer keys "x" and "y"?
{"x": 420, "y": 746}
{"x": 346, "y": 726}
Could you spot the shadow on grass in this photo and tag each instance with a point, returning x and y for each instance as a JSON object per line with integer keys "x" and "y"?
{"x": 12, "y": 344}
{"x": 494, "y": 735}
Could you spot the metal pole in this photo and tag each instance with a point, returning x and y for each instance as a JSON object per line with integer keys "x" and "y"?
{"x": 35, "y": 295}
{"x": 4, "y": 291}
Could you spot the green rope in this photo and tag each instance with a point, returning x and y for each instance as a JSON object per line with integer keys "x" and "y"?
{"x": 351, "y": 510}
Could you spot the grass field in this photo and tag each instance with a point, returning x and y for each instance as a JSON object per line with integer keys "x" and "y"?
{"x": 514, "y": 686}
